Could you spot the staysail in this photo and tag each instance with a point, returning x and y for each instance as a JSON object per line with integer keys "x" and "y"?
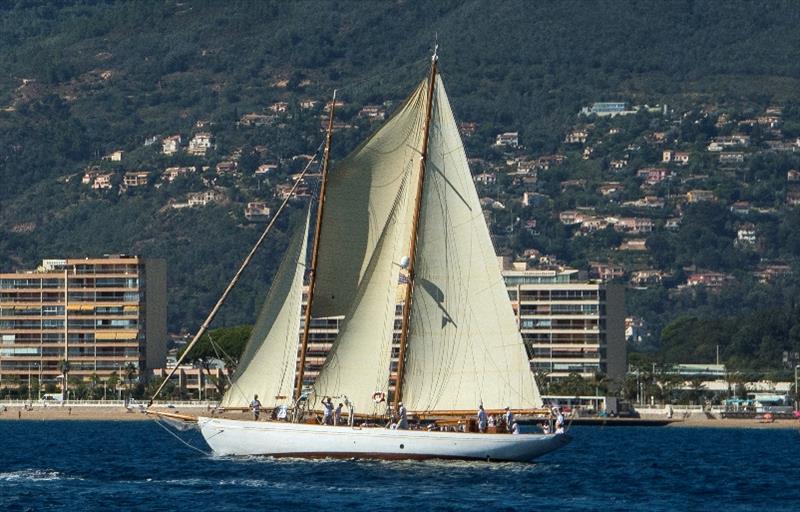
{"x": 463, "y": 346}
{"x": 267, "y": 367}
{"x": 361, "y": 194}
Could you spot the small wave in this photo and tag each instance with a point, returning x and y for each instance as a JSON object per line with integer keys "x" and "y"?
{"x": 34, "y": 475}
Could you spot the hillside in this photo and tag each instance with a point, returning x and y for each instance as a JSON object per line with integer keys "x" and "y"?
{"x": 80, "y": 82}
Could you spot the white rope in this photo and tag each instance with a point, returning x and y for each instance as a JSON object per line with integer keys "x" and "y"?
{"x": 176, "y": 436}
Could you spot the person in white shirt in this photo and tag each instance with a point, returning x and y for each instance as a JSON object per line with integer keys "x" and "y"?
{"x": 559, "y": 420}
{"x": 327, "y": 411}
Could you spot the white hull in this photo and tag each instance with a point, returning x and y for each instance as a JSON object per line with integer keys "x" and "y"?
{"x": 237, "y": 437}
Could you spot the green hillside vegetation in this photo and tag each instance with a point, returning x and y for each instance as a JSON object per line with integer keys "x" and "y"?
{"x": 79, "y": 81}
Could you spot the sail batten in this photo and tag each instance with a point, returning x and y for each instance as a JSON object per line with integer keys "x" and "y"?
{"x": 267, "y": 366}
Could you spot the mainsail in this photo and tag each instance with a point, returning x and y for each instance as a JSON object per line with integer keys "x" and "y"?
{"x": 464, "y": 347}
{"x": 267, "y": 367}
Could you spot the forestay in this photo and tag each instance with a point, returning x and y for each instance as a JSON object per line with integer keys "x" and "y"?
{"x": 267, "y": 367}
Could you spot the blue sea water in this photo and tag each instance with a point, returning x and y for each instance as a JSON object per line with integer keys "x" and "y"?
{"x": 99, "y": 466}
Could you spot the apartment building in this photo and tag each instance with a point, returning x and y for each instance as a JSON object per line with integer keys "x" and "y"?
{"x": 569, "y": 325}
{"x": 98, "y": 314}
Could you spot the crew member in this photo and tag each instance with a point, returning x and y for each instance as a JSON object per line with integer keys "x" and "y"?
{"x": 509, "y": 417}
{"x": 402, "y": 415}
{"x": 255, "y": 406}
{"x": 327, "y": 412}
{"x": 483, "y": 420}
{"x": 559, "y": 420}
{"x": 337, "y": 415}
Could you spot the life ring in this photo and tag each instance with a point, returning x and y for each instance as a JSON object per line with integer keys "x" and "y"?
{"x": 378, "y": 397}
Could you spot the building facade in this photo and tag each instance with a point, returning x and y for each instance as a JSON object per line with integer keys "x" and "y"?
{"x": 569, "y": 325}
{"x": 97, "y": 314}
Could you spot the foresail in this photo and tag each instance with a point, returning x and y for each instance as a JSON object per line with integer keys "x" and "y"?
{"x": 361, "y": 192}
{"x": 464, "y": 347}
{"x": 359, "y": 362}
{"x": 267, "y": 367}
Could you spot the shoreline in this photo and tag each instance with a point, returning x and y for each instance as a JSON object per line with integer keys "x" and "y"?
{"x": 120, "y": 413}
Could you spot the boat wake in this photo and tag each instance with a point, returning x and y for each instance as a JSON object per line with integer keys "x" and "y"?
{"x": 34, "y": 475}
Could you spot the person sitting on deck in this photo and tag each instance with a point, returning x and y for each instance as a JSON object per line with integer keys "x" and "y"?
{"x": 255, "y": 406}
{"x": 515, "y": 428}
{"x": 482, "y": 419}
{"x": 337, "y": 415}
{"x": 327, "y": 412}
{"x": 402, "y": 415}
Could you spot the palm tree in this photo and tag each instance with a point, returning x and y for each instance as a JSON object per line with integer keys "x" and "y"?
{"x": 64, "y": 366}
{"x": 130, "y": 374}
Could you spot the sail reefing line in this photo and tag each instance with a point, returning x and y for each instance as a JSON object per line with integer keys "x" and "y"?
{"x": 210, "y": 318}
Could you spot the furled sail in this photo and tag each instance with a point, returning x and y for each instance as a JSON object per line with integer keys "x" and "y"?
{"x": 357, "y": 367}
{"x": 267, "y": 367}
{"x": 463, "y": 347}
{"x": 360, "y": 197}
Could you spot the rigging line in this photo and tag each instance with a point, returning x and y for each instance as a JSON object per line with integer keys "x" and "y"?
{"x": 394, "y": 71}
{"x": 176, "y": 436}
{"x": 204, "y": 327}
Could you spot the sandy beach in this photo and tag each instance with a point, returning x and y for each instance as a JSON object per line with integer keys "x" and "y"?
{"x": 119, "y": 413}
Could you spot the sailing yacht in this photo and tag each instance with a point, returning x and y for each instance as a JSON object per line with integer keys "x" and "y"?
{"x": 399, "y": 223}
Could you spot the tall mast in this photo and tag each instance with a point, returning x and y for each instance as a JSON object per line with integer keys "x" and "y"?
{"x": 401, "y": 357}
{"x": 312, "y": 276}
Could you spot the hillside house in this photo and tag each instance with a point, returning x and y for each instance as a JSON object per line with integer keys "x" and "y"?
{"x": 634, "y": 244}
{"x": 200, "y": 144}
{"x": 672, "y": 224}
{"x": 339, "y": 104}
{"x": 534, "y": 199}
{"x": 793, "y": 197}
{"x": 136, "y": 178}
{"x": 171, "y": 173}
{"x": 278, "y": 107}
{"x": 653, "y": 175}
{"x": 635, "y": 225}
{"x": 646, "y": 277}
{"x": 610, "y": 188}
{"x": 114, "y": 156}
{"x": 544, "y": 163}
{"x": 577, "y": 137}
{"x": 695, "y": 196}
{"x": 227, "y": 167}
{"x": 646, "y": 202}
{"x": 103, "y": 181}
{"x": 507, "y": 139}
{"x": 372, "y": 113}
{"x": 593, "y": 224}
{"x": 266, "y": 169}
{"x": 571, "y": 217}
{"x": 606, "y": 271}
{"x": 171, "y": 145}
{"x": 308, "y": 104}
{"x": 90, "y": 174}
{"x": 792, "y": 175}
{"x": 255, "y": 119}
{"x": 731, "y": 157}
{"x": 740, "y": 208}
{"x": 257, "y": 212}
{"x": 746, "y": 236}
{"x": 486, "y": 178}
{"x": 205, "y": 197}
{"x": 568, "y": 184}
{"x": 721, "y": 143}
{"x": 467, "y": 129}
{"x": 669, "y": 156}
{"x": 765, "y": 273}
{"x": 618, "y": 164}
{"x": 708, "y": 279}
